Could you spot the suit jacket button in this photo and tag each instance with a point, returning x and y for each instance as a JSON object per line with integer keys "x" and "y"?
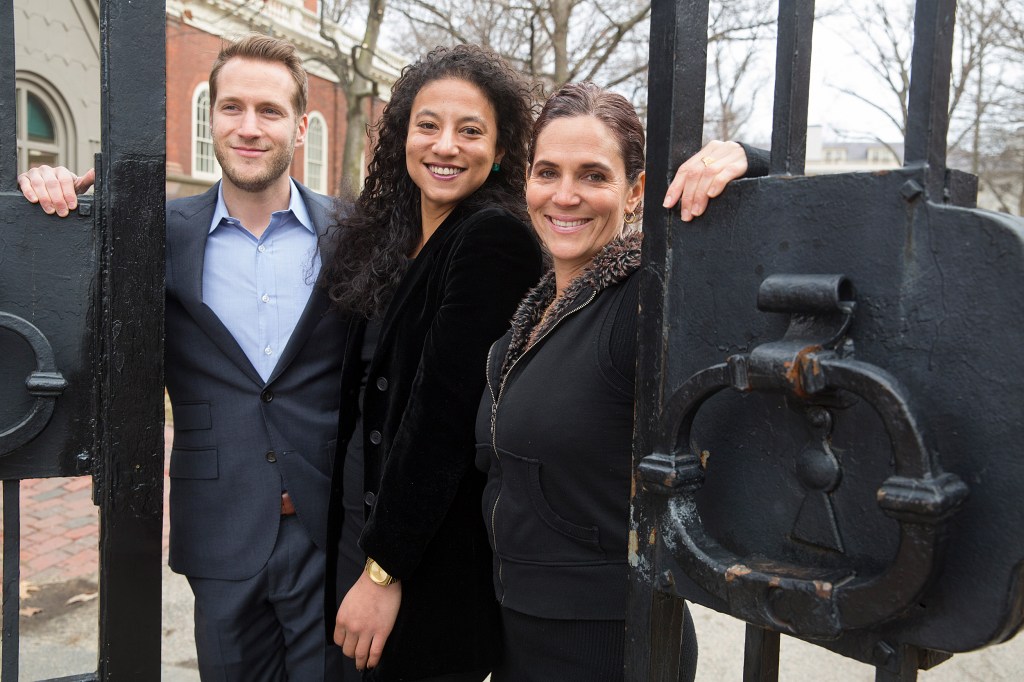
{"x": 369, "y": 499}
{"x": 267, "y": 395}
{"x": 375, "y": 437}
{"x": 382, "y": 384}
{"x": 271, "y": 456}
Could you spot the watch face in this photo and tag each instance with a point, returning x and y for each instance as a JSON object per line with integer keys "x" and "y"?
{"x": 377, "y": 574}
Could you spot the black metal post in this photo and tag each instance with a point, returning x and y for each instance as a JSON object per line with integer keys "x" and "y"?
{"x": 792, "y": 85}
{"x": 677, "y": 75}
{"x": 760, "y": 655}
{"x": 928, "y": 106}
{"x": 130, "y": 477}
{"x": 8, "y": 102}
{"x": 12, "y": 579}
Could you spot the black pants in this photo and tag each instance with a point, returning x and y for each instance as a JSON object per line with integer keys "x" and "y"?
{"x": 544, "y": 649}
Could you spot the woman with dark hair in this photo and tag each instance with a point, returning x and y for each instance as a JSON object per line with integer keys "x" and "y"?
{"x": 555, "y": 427}
{"x": 435, "y": 256}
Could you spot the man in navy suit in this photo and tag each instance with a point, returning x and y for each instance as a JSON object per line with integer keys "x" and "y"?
{"x": 252, "y": 368}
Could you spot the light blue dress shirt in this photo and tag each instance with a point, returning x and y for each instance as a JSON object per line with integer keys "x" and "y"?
{"x": 259, "y": 287}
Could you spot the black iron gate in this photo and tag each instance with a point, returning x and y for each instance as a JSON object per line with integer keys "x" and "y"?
{"x": 81, "y": 335}
{"x": 832, "y": 394}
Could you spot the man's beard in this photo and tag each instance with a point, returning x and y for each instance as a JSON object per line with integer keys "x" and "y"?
{"x": 276, "y": 166}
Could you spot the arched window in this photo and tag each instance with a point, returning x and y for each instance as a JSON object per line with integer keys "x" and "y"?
{"x": 316, "y": 153}
{"x": 204, "y": 162}
{"x": 44, "y": 135}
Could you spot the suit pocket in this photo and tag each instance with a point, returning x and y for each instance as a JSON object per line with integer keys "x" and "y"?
{"x": 192, "y": 416}
{"x": 194, "y": 463}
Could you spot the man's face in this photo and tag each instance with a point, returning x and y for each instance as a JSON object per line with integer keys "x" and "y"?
{"x": 254, "y": 123}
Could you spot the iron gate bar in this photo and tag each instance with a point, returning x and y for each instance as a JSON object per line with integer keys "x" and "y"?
{"x": 8, "y": 101}
{"x": 132, "y": 210}
{"x": 677, "y": 76}
{"x": 12, "y": 579}
{"x": 760, "y": 655}
{"x": 792, "y": 85}
{"x": 928, "y": 100}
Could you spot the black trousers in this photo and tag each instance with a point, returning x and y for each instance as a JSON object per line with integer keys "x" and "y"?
{"x": 544, "y": 649}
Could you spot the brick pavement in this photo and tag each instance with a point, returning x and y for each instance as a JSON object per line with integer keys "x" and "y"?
{"x": 60, "y": 528}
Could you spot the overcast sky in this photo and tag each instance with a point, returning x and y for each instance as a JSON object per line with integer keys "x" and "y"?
{"x": 834, "y": 65}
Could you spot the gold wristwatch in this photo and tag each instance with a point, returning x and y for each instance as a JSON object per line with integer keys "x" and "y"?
{"x": 377, "y": 574}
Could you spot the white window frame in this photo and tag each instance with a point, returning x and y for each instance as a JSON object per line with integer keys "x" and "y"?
{"x": 315, "y": 158}
{"x": 63, "y": 146}
{"x": 202, "y": 120}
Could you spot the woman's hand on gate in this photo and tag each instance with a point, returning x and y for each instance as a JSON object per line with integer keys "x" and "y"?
{"x": 55, "y": 189}
{"x": 703, "y": 177}
{"x": 365, "y": 620}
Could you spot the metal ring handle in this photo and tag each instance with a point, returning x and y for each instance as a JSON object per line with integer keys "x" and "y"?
{"x": 792, "y": 598}
{"x": 46, "y": 384}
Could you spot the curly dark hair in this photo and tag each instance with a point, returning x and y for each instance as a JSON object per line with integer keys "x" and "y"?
{"x": 369, "y": 249}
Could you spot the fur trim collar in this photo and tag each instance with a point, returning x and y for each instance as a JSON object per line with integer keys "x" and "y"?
{"x": 619, "y": 259}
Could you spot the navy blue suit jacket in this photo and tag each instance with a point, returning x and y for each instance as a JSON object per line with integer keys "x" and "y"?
{"x": 240, "y": 441}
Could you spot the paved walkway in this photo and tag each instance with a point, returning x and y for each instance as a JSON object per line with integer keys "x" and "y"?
{"x": 59, "y": 569}
{"x": 60, "y": 528}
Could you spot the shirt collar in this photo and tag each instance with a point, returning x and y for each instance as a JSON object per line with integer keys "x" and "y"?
{"x": 295, "y": 204}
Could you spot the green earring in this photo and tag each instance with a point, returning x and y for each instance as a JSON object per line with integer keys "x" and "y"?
{"x": 496, "y": 167}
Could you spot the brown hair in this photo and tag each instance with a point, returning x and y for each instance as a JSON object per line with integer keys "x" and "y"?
{"x": 615, "y": 111}
{"x": 267, "y": 49}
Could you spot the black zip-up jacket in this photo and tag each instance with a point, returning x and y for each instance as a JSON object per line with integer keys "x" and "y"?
{"x": 554, "y": 435}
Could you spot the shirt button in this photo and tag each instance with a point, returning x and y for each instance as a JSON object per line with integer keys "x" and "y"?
{"x": 261, "y": 248}
{"x": 267, "y": 395}
{"x": 369, "y": 499}
{"x": 271, "y": 456}
{"x": 265, "y": 298}
{"x": 382, "y": 384}
{"x": 268, "y": 350}
{"x": 375, "y": 437}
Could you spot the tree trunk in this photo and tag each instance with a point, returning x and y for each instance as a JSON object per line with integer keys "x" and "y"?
{"x": 359, "y": 94}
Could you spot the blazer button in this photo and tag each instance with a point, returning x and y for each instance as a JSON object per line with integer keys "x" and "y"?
{"x": 267, "y": 395}
{"x": 382, "y": 384}
{"x": 271, "y": 456}
{"x": 375, "y": 437}
{"x": 369, "y": 499}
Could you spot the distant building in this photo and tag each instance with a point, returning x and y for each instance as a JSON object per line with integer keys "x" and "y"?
{"x": 1001, "y": 179}
{"x": 58, "y": 84}
{"x": 847, "y": 157}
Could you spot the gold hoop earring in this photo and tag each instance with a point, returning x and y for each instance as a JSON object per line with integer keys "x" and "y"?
{"x": 630, "y": 217}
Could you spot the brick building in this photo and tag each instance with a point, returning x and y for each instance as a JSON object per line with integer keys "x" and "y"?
{"x": 58, "y": 84}
{"x": 194, "y": 33}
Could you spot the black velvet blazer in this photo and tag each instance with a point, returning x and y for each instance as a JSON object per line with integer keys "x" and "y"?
{"x": 423, "y": 494}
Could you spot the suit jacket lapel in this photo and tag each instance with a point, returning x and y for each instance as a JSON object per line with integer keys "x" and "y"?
{"x": 193, "y": 221}
{"x": 319, "y": 208}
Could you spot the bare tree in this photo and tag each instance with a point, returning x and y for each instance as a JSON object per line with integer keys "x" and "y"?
{"x": 354, "y": 70}
{"x": 985, "y": 98}
{"x": 605, "y": 41}
{"x": 737, "y": 31}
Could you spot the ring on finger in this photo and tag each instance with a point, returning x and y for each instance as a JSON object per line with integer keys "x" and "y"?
{"x": 707, "y": 160}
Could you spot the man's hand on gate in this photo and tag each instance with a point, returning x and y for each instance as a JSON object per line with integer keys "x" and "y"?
{"x": 56, "y": 190}
{"x": 703, "y": 176}
{"x": 365, "y": 620}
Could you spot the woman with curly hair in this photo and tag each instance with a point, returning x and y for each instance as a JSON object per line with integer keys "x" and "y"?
{"x": 434, "y": 258}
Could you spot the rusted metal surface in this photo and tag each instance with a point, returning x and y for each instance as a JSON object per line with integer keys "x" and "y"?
{"x": 828, "y": 450}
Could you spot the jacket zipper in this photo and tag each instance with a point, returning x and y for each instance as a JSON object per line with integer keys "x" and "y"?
{"x": 494, "y": 423}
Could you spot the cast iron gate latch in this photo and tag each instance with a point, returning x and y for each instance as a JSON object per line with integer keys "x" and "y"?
{"x": 812, "y": 365}
{"x": 46, "y": 384}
